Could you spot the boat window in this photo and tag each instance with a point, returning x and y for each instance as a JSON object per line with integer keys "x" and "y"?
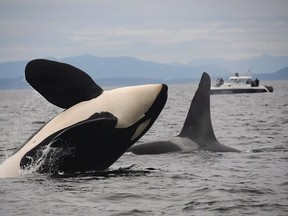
{"x": 241, "y": 80}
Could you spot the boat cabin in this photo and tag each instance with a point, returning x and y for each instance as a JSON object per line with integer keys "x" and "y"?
{"x": 241, "y": 80}
{"x": 239, "y": 84}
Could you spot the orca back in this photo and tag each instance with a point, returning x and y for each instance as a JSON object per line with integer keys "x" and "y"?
{"x": 197, "y": 128}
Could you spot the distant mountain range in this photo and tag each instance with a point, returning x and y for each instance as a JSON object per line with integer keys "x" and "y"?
{"x": 131, "y": 71}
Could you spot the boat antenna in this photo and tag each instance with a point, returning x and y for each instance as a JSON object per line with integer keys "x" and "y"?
{"x": 250, "y": 69}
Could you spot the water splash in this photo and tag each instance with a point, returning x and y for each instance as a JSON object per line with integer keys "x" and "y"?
{"x": 47, "y": 158}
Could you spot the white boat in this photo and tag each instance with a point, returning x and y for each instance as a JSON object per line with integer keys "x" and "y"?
{"x": 239, "y": 84}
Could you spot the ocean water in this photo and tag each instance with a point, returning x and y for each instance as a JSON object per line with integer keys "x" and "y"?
{"x": 253, "y": 182}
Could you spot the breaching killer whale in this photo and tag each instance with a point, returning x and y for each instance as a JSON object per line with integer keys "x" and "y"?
{"x": 95, "y": 128}
{"x": 197, "y": 132}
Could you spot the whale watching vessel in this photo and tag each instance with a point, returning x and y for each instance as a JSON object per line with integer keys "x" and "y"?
{"x": 239, "y": 84}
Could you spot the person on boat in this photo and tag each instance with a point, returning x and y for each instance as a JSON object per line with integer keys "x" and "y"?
{"x": 219, "y": 82}
{"x": 257, "y": 82}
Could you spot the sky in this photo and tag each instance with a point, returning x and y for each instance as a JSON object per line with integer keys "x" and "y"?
{"x": 163, "y": 31}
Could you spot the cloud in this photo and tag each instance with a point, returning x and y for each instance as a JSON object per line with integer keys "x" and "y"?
{"x": 158, "y": 30}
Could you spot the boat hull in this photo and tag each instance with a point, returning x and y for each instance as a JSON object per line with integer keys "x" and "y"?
{"x": 219, "y": 90}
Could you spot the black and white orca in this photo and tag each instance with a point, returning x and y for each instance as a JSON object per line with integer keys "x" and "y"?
{"x": 95, "y": 128}
{"x": 197, "y": 132}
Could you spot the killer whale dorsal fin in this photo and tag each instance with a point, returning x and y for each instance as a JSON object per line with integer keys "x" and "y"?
{"x": 61, "y": 84}
{"x": 198, "y": 126}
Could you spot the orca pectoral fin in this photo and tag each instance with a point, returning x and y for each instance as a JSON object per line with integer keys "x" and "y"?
{"x": 61, "y": 84}
{"x": 81, "y": 147}
{"x": 84, "y": 133}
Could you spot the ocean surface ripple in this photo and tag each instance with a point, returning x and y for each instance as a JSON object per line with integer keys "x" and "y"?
{"x": 253, "y": 182}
